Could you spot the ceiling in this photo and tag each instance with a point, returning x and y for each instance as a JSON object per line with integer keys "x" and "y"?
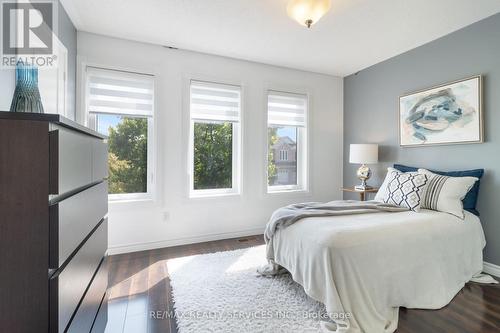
{"x": 355, "y": 34}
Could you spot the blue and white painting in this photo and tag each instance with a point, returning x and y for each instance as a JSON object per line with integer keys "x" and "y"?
{"x": 446, "y": 114}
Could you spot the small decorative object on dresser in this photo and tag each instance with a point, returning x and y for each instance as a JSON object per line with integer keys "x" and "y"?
{"x": 363, "y": 154}
{"x": 447, "y": 114}
{"x": 53, "y": 225}
{"x": 26, "y": 95}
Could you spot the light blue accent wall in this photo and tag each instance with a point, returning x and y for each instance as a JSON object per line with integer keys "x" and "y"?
{"x": 371, "y": 99}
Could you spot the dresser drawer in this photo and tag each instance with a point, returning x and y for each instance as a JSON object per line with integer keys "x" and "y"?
{"x": 73, "y": 218}
{"x": 76, "y": 160}
{"x": 66, "y": 288}
{"x": 99, "y": 160}
{"x": 87, "y": 310}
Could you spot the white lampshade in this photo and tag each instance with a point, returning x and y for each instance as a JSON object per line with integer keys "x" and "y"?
{"x": 366, "y": 153}
{"x": 308, "y": 12}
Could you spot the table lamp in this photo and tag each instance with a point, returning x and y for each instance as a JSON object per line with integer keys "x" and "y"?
{"x": 363, "y": 154}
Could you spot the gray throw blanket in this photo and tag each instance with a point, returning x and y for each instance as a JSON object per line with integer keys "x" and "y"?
{"x": 288, "y": 215}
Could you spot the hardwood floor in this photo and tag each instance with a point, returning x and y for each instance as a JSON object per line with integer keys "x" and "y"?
{"x": 139, "y": 285}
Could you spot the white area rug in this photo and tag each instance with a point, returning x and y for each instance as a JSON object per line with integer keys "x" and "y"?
{"x": 221, "y": 292}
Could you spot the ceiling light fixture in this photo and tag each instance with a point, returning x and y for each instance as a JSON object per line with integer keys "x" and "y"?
{"x": 307, "y": 12}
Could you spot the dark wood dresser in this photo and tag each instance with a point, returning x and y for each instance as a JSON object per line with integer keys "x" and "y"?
{"x": 53, "y": 225}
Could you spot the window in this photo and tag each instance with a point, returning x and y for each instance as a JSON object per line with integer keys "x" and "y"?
{"x": 214, "y": 139}
{"x": 121, "y": 106}
{"x": 283, "y": 155}
{"x": 287, "y": 135}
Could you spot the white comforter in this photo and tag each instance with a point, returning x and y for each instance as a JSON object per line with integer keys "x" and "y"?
{"x": 369, "y": 265}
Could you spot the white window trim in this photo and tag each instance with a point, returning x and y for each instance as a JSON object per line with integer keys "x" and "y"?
{"x": 151, "y": 163}
{"x": 235, "y": 190}
{"x": 302, "y": 158}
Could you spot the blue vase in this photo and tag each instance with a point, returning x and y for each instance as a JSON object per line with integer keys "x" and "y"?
{"x": 26, "y": 96}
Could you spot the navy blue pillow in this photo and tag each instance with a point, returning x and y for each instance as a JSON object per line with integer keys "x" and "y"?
{"x": 470, "y": 199}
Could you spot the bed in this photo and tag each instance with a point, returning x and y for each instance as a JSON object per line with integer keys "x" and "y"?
{"x": 367, "y": 266}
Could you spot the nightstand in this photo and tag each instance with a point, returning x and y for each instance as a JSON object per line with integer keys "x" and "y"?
{"x": 362, "y": 194}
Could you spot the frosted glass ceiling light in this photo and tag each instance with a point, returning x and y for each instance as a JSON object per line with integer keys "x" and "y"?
{"x": 308, "y": 12}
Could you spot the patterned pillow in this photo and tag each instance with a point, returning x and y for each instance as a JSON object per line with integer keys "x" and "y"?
{"x": 404, "y": 189}
{"x": 444, "y": 193}
{"x": 382, "y": 192}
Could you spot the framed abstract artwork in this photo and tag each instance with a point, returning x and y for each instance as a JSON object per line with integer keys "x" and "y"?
{"x": 447, "y": 114}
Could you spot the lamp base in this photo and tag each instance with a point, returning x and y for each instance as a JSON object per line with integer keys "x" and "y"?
{"x": 363, "y": 174}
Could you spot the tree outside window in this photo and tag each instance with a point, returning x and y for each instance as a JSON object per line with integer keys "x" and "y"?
{"x": 128, "y": 149}
{"x": 213, "y": 155}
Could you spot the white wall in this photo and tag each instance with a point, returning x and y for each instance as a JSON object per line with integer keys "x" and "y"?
{"x": 172, "y": 218}
{"x": 7, "y": 84}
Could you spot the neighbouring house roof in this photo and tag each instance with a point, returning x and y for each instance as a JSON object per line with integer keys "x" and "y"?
{"x": 284, "y": 140}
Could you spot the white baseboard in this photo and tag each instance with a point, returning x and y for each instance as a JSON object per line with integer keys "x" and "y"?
{"x": 491, "y": 269}
{"x": 182, "y": 241}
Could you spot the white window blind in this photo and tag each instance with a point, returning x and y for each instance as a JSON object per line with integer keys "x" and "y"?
{"x": 215, "y": 102}
{"x": 286, "y": 109}
{"x": 118, "y": 92}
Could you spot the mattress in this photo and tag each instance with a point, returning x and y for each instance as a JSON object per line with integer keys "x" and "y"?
{"x": 364, "y": 267}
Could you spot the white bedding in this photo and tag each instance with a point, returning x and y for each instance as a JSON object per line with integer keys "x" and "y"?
{"x": 369, "y": 265}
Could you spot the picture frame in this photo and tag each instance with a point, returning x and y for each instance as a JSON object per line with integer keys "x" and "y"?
{"x": 446, "y": 114}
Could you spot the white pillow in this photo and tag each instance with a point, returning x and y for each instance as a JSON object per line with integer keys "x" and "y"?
{"x": 403, "y": 189}
{"x": 382, "y": 191}
{"x": 445, "y": 194}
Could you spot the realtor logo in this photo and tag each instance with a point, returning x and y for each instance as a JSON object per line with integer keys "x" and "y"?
{"x": 27, "y": 27}
{"x": 27, "y": 32}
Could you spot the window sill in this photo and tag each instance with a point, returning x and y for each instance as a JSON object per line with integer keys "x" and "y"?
{"x": 129, "y": 198}
{"x": 289, "y": 191}
{"x": 126, "y": 201}
{"x": 212, "y": 195}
